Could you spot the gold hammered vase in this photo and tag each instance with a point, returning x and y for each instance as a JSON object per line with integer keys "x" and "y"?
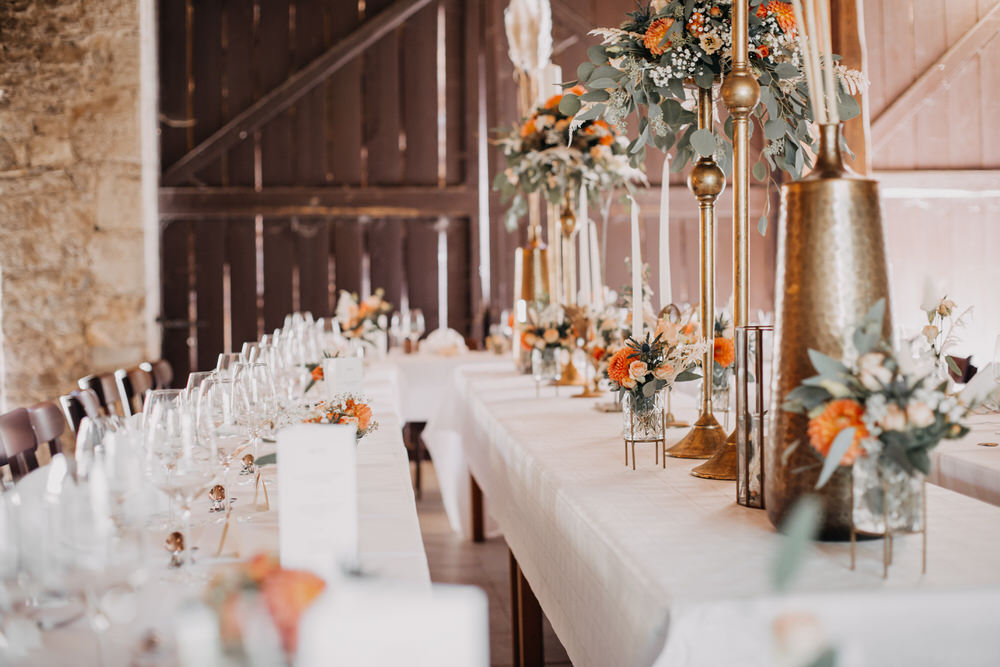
{"x": 831, "y": 270}
{"x": 531, "y": 280}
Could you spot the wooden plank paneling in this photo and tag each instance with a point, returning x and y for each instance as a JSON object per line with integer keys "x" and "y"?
{"x": 173, "y": 81}
{"x": 930, "y": 41}
{"x": 175, "y": 269}
{"x": 459, "y": 274}
{"x": 241, "y": 246}
{"x": 419, "y": 85}
{"x": 279, "y": 258}
{"x": 457, "y": 152}
{"x": 382, "y": 120}
{"x": 312, "y": 248}
{"x": 210, "y": 254}
{"x": 206, "y": 49}
{"x": 343, "y": 97}
{"x": 310, "y": 112}
{"x": 385, "y": 244}
{"x": 348, "y": 247}
{"x": 421, "y": 275}
{"x": 239, "y": 85}
{"x": 274, "y": 64}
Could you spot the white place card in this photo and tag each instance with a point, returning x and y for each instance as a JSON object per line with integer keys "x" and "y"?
{"x": 376, "y": 623}
{"x": 342, "y": 375}
{"x": 318, "y": 510}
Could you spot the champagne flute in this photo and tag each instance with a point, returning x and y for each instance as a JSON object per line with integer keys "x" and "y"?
{"x": 416, "y": 327}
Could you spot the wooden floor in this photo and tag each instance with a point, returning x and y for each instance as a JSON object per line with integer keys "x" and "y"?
{"x": 455, "y": 561}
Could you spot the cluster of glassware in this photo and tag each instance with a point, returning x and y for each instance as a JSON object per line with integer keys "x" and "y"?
{"x": 80, "y": 536}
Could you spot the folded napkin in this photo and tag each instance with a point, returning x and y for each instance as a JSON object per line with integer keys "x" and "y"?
{"x": 444, "y": 343}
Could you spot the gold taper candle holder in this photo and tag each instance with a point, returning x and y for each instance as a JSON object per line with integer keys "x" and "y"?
{"x": 531, "y": 278}
{"x": 740, "y": 93}
{"x": 706, "y": 181}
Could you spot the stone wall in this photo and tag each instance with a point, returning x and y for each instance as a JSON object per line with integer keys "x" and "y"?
{"x": 72, "y": 283}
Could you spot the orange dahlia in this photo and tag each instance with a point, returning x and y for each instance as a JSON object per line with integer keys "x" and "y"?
{"x": 655, "y": 34}
{"x": 838, "y": 415}
{"x": 598, "y": 353}
{"x": 724, "y": 352}
{"x": 618, "y": 366}
{"x": 784, "y": 14}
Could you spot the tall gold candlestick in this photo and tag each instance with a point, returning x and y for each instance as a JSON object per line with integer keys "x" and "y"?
{"x": 740, "y": 93}
{"x": 706, "y": 181}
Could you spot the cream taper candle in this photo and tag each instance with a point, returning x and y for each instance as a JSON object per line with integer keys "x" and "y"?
{"x": 666, "y": 296}
{"x": 636, "y": 274}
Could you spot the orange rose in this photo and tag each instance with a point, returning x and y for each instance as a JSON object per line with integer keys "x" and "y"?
{"x": 578, "y": 89}
{"x": 618, "y": 366}
{"x": 553, "y": 101}
{"x": 724, "y": 352}
{"x": 260, "y": 566}
{"x": 525, "y": 343}
{"x": 316, "y": 374}
{"x": 838, "y": 415}
{"x": 655, "y": 34}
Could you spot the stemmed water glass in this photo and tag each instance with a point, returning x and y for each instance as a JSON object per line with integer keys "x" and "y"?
{"x": 255, "y": 401}
{"x": 216, "y": 423}
{"x": 415, "y": 326}
{"x": 228, "y": 364}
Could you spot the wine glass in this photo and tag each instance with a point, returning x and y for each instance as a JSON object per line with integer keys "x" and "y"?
{"x": 228, "y": 363}
{"x": 415, "y": 326}
{"x": 396, "y": 329}
{"x": 248, "y": 354}
{"x": 194, "y": 381}
{"x": 254, "y": 403}
{"x": 216, "y": 423}
{"x": 996, "y": 373}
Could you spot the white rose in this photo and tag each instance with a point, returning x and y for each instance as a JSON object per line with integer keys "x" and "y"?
{"x": 873, "y": 374}
{"x": 895, "y": 418}
{"x": 920, "y": 414}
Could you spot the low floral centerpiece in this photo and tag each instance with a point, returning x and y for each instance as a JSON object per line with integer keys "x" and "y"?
{"x": 662, "y": 50}
{"x": 543, "y": 155}
{"x": 881, "y": 413}
{"x": 346, "y": 409}
{"x": 940, "y": 332}
{"x": 239, "y": 593}
{"x": 723, "y": 361}
{"x": 358, "y": 318}
{"x": 548, "y": 332}
{"x": 640, "y": 370}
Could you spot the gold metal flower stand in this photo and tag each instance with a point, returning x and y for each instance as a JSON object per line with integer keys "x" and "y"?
{"x": 707, "y": 182}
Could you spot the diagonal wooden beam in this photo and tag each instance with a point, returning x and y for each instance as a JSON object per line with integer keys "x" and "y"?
{"x": 947, "y": 67}
{"x": 571, "y": 17}
{"x": 292, "y": 89}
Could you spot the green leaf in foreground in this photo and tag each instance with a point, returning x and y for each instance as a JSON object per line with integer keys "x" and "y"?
{"x": 837, "y": 450}
{"x": 800, "y": 528}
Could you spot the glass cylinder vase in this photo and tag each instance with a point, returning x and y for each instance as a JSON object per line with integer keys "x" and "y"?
{"x": 887, "y": 498}
{"x": 545, "y": 364}
{"x": 642, "y": 417}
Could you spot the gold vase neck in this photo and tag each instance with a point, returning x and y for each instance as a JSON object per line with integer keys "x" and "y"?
{"x": 829, "y": 160}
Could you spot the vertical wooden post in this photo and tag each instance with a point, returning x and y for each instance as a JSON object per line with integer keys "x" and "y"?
{"x": 515, "y": 606}
{"x": 848, "y": 28}
{"x": 478, "y": 521}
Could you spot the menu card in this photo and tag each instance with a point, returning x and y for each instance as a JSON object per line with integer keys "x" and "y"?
{"x": 342, "y": 375}
{"x": 318, "y": 511}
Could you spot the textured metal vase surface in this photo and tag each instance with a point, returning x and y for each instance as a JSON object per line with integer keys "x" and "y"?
{"x": 831, "y": 270}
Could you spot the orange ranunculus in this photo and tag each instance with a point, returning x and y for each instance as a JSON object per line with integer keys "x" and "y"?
{"x": 763, "y": 51}
{"x": 655, "y": 34}
{"x": 618, "y": 366}
{"x": 724, "y": 352}
{"x": 784, "y": 14}
{"x": 525, "y": 345}
{"x": 364, "y": 414}
{"x": 838, "y": 415}
{"x": 316, "y": 373}
{"x": 288, "y": 593}
{"x": 578, "y": 89}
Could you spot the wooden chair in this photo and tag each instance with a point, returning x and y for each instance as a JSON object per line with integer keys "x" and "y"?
{"x": 78, "y": 404}
{"x": 18, "y": 440}
{"x": 132, "y": 387}
{"x": 94, "y": 384}
{"x": 163, "y": 373}
{"x": 49, "y": 424}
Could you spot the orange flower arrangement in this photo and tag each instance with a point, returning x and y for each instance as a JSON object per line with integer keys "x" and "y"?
{"x": 344, "y": 410}
{"x": 783, "y": 13}
{"x": 838, "y": 415}
{"x": 696, "y": 24}
{"x": 598, "y": 352}
{"x": 655, "y": 34}
{"x": 285, "y": 593}
{"x": 316, "y": 374}
{"x": 618, "y": 366}
{"x": 724, "y": 352}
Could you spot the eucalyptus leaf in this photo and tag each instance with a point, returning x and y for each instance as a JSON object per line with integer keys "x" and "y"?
{"x": 584, "y": 70}
{"x": 569, "y": 104}
{"x": 786, "y": 71}
{"x": 607, "y": 72}
{"x": 649, "y": 389}
{"x": 687, "y": 376}
{"x": 762, "y": 225}
{"x": 847, "y": 107}
{"x": 676, "y": 87}
{"x": 597, "y": 54}
{"x": 601, "y": 83}
{"x": 266, "y": 460}
{"x": 591, "y": 113}
{"x": 800, "y": 528}
{"x": 875, "y": 315}
{"x": 774, "y": 129}
{"x": 826, "y": 365}
{"x": 837, "y": 450}
{"x": 828, "y": 658}
{"x": 703, "y": 78}
{"x": 759, "y": 171}
{"x": 596, "y": 96}
{"x": 703, "y": 141}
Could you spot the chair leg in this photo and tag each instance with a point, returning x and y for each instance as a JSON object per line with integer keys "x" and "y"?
{"x": 418, "y": 444}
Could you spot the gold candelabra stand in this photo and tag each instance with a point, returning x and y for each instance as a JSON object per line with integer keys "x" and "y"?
{"x": 740, "y": 93}
{"x": 571, "y": 377}
{"x": 706, "y": 181}
{"x": 531, "y": 277}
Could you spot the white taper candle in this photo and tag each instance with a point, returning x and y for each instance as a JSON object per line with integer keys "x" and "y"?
{"x": 597, "y": 285}
{"x": 666, "y": 295}
{"x": 583, "y": 227}
{"x": 636, "y": 274}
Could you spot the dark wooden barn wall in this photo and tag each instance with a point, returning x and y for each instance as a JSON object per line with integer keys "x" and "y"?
{"x": 374, "y": 131}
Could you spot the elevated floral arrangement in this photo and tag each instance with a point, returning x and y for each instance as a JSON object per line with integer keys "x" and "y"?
{"x": 359, "y": 317}
{"x": 644, "y": 368}
{"x": 548, "y": 328}
{"x": 346, "y": 409}
{"x": 723, "y": 352}
{"x": 545, "y": 155}
{"x": 284, "y": 594}
{"x": 649, "y": 64}
{"x": 879, "y": 404}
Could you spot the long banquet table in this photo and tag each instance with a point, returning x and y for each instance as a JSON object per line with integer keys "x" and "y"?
{"x": 625, "y": 562}
{"x": 390, "y": 543}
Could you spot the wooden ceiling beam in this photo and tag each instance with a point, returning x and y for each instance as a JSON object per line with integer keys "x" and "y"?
{"x": 284, "y": 202}
{"x": 947, "y": 67}
{"x": 292, "y": 89}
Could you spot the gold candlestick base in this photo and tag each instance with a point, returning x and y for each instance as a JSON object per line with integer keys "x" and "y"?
{"x": 570, "y": 377}
{"x": 704, "y": 439}
{"x": 673, "y": 422}
{"x": 723, "y": 465}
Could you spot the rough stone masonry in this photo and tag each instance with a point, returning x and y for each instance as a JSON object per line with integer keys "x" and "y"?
{"x": 71, "y": 230}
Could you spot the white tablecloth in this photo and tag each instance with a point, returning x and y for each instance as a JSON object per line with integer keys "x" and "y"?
{"x": 617, "y": 557}
{"x": 424, "y": 379}
{"x": 966, "y": 466}
{"x": 390, "y": 542}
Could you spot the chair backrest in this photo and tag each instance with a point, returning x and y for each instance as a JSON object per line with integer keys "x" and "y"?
{"x": 18, "y": 440}
{"x": 49, "y": 424}
{"x": 163, "y": 373}
{"x": 132, "y": 387}
{"x": 78, "y": 404}
{"x": 94, "y": 384}
{"x": 112, "y": 399}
